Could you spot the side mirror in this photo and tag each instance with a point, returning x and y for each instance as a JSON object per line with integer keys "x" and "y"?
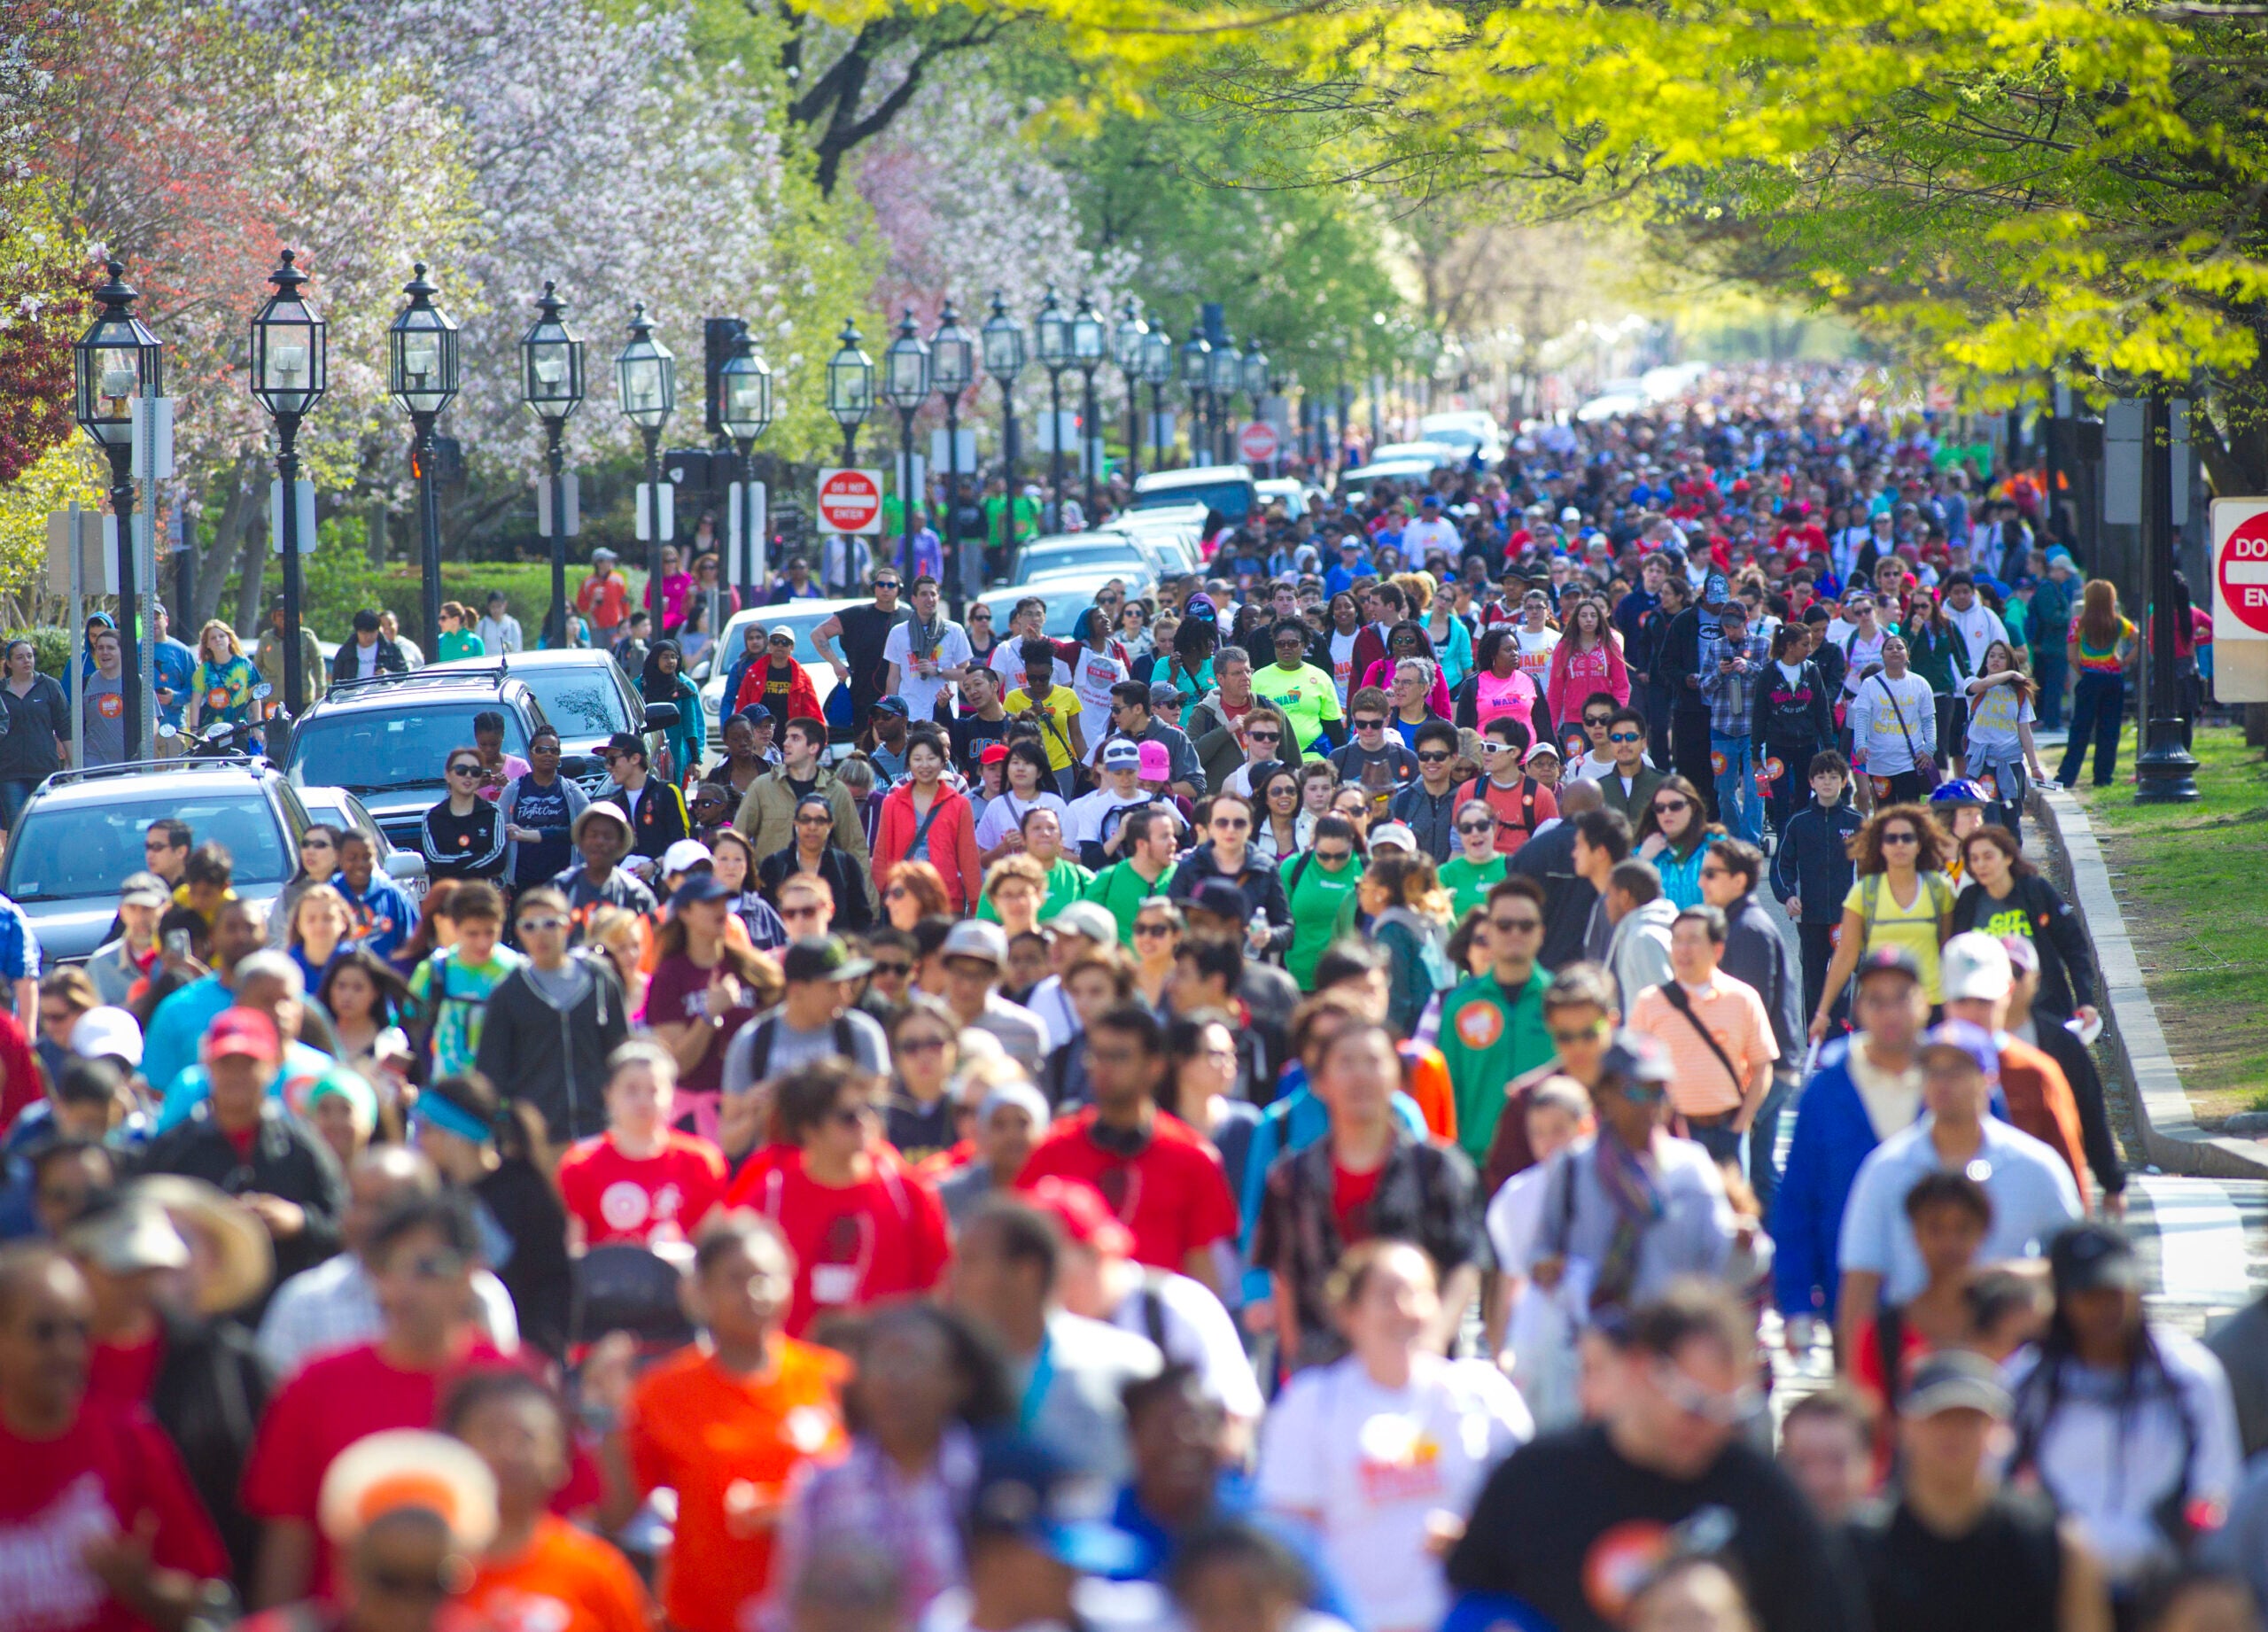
{"x": 660, "y": 716}
{"x": 405, "y": 864}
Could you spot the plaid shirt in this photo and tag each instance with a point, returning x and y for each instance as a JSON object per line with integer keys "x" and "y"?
{"x": 1426, "y": 1195}
{"x": 1732, "y": 697}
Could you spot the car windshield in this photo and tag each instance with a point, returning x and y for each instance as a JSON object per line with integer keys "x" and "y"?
{"x": 577, "y": 700}
{"x": 1230, "y": 496}
{"x": 802, "y": 619}
{"x": 1072, "y": 556}
{"x": 62, "y": 852}
{"x": 375, "y": 750}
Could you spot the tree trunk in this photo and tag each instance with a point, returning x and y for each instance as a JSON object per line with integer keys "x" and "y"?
{"x": 243, "y": 503}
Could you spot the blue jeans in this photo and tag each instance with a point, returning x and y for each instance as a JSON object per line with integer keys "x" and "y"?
{"x": 2098, "y": 710}
{"x": 1737, "y": 801}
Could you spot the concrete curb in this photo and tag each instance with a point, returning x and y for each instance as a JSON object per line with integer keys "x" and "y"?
{"x": 2170, "y": 1134}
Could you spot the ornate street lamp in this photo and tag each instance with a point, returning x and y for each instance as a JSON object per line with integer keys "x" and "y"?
{"x": 645, "y": 384}
{"x": 952, "y": 370}
{"x": 1197, "y": 380}
{"x": 1003, "y": 340}
{"x": 1090, "y": 344}
{"x": 1054, "y": 330}
{"x": 1126, "y": 352}
{"x": 849, "y": 389}
{"x": 1224, "y": 373}
{"x": 117, "y": 359}
{"x": 744, "y": 384}
{"x": 906, "y": 383}
{"x": 421, "y": 374}
{"x": 552, "y": 386}
{"x": 291, "y": 369}
{"x": 1157, "y": 373}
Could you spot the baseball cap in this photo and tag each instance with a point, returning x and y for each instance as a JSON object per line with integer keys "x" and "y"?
{"x": 1162, "y": 696}
{"x": 1972, "y": 1042}
{"x": 1975, "y": 965}
{"x": 783, "y": 632}
{"x": 1084, "y": 1216}
{"x": 1432, "y": 498}
{"x": 603, "y": 554}
{"x": 241, "y": 1030}
{"x": 1889, "y": 960}
{"x": 1156, "y": 760}
{"x": 685, "y": 855}
{"x": 1121, "y": 754}
{"x": 703, "y": 884}
{"x": 1026, "y": 1491}
{"x": 1090, "y": 919}
{"x": 144, "y": 889}
{"x": 1394, "y": 836}
{"x": 1221, "y": 898}
{"x": 402, "y": 1469}
{"x": 1544, "y": 749}
{"x": 2023, "y": 957}
{"x": 821, "y": 957}
{"x": 1571, "y": 515}
{"x": 1954, "y": 1380}
{"x": 2093, "y": 1254}
{"x": 1635, "y": 1055}
{"x": 107, "y": 1032}
{"x": 972, "y": 938}
{"x": 1960, "y": 790}
{"x": 1022, "y": 1096}
{"x": 626, "y": 742}
{"x": 994, "y": 753}
{"x": 892, "y": 705}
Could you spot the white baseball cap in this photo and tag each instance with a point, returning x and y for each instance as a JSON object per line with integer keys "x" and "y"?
{"x": 1976, "y": 965}
{"x": 1394, "y": 836}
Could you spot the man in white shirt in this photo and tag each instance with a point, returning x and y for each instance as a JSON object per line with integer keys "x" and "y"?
{"x": 924, "y": 653}
{"x": 1430, "y": 531}
{"x": 1979, "y": 624}
{"x": 1096, "y": 817}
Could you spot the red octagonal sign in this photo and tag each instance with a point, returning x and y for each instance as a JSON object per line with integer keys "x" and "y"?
{"x": 2241, "y": 569}
{"x": 851, "y": 500}
{"x": 1256, "y": 442}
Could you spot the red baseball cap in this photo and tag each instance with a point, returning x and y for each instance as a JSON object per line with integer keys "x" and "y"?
{"x": 242, "y": 1031}
{"x": 1084, "y": 1216}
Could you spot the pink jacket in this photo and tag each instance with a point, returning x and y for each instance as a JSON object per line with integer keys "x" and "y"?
{"x": 1575, "y": 675}
{"x": 1381, "y": 675}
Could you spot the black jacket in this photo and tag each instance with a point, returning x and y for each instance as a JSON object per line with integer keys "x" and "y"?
{"x": 1812, "y": 864}
{"x": 210, "y": 1390}
{"x": 1756, "y": 953}
{"x": 287, "y": 1161}
{"x": 1262, "y": 883}
{"x": 660, "y": 820}
{"x": 554, "y": 1058}
{"x": 1798, "y": 714}
{"x": 2062, "y": 1045}
{"x": 346, "y": 666}
{"x": 1549, "y": 860}
{"x": 853, "y": 910}
{"x": 2035, "y": 911}
{"x": 1680, "y": 663}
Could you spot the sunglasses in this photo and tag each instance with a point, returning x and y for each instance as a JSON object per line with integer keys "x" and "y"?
{"x": 1515, "y": 926}
{"x": 1476, "y": 829}
{"x": 921, "y": 1046}
{"x": 797, "y": 915}
{"x": 541, "y": 926}
{"x": 1902, "y": 836}
{"x": 1230, "y": 824}
{"x": 1154, "y": 928}
{"x": 464, "y": 769}
{"x": 1594, "y": 719}
{"x": 1263, "y": 736}
{"x": 851, "y": 1115}
{"x": 1369, "y": 724}
{"x": 1576, "y": 1035}
{"x": 1666, "y": 807}
{"x": 1491, "y": 750}
{"x": 886, "y": 583}
{"x": 887, "y": 968}
{"x": 1333, "y": 858}
{"x": 1625, "y": 736}
{"x": 435, "y": 1266}
{"x": 1435, "y": 758}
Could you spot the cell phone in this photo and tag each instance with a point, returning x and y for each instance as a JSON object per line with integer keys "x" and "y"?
{"x": 177, "y": 943}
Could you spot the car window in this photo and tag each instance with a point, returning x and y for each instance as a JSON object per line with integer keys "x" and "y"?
{"x": 1231, "y": 498}
{"x": 578, "y": 701}
{"x": 372, "y": 750}
{"x": 65, "y": 853}
{"x": 802, "y": 619}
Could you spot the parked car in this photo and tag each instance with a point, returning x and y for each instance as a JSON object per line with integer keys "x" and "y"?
{"x": 80, "y": 835}
{"x": 1174, "y": 533}
{"x": 1061, "y": 553}
{"x": 1405, "y": 474}
{"x": 585, "y": 697}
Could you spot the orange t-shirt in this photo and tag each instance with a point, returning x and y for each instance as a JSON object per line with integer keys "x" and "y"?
{"x": 564, "y": 1581}
{"x": 728, "y": 1446}
{"x": 1426, "y": 1079}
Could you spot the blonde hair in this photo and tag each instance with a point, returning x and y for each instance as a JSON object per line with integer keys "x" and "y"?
{"x": 204, "y": 639}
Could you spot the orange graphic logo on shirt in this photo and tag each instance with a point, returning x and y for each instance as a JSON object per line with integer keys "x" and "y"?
{"x": 1619, "y": 1562}
{"x": 110, "y": 706}
{"x": 1478, "y": 1025}
{"x": 1716, "y": 762}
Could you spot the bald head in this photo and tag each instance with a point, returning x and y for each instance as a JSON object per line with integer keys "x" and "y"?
{"x": 381, "y": 1176}
{"x": 1577, "y": 797}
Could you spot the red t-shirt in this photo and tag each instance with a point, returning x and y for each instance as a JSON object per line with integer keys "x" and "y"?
{"x": 880, "y": 1238}
{"x": 1350, "y": 1201}
{"x": 337, "y": 1399}
{"x": 99, "y": 1476}
{"x": 661, "y": 1197}
{"x": 124, "y": 1373}
{"x": 1171, "y": 1193}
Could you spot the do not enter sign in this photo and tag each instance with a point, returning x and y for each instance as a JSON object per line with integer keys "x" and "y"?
{"x": 2241, "y": 569}
{"x": 1256, "y": 442}
{"x": 850, "y": 500}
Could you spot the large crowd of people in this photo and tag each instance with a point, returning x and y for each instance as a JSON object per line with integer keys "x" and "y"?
{"x": 1293, "y": 1108}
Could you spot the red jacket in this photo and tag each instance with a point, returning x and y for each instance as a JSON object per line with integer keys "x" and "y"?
{"x": 953, "y": 843}
{"x": 803, "y": 696}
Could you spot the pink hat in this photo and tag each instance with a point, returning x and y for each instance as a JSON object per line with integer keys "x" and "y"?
{"x": 1157, "y": 764}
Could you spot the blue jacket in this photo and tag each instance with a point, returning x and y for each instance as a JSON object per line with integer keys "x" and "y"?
{"x": 1833, "y": 1137}
{"x": 1813, "y": 864}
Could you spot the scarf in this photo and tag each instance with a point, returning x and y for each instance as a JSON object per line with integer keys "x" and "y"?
{"x": 923, "y": 639}
{"x": 1630, "y": 1189}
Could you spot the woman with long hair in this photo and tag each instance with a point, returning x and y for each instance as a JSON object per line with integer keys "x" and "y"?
{"x": 436, "y": 931}
{"x": 1284, "y": 828}
{"x": 1898, "y": 898}
{"x": 1190, "y": 669}
{"x": 1587, "y": 660}
{"x": 1409, "y": 910}
{"x": 919, "y": 1115}
{"x": 1675, "y": 835}
{"x": 733, "y": 859}
{"x": 1318, "y": 881}
{"x": 2001, "y": 748}
{"x": 1209, "y": 1064}
{"x": 1406, "y": 640}
{"x": 1028, "y": 784}
{"x": 34, "y": 727}
{"x": 220, "y": 686}
{"x": 2005, "y": 895}
{"x": 705, "y": 989}
{"x": 1345, "y": 618}
{"x": 1794, "y": 719}
{"x": 1452, "y": 641}
{"x": 1938, "y": 652}
{"x": 1099, "y": 664}
{"x": 926, "y": 819}
{"x": 663, "y": 679}
{"x": 321, "y": 924}
{"x": 366, "y": 1002}
{"x": 318, "y": 864}
{"x": 2103, "y": 649}
{"x": 619, "y": 935}
{"x": 1500, "y": 687}
{"x": 1158, "y": 925}
{"x": 814, "y": 853}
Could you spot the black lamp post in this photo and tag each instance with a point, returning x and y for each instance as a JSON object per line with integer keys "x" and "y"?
{"x": 1255, "y": 382}
{"x": 645, "y": 382}
{"x": 1089, "y": 346}
{"x": 2165, "y": 772}
{"x": 1002, "y": 339}
{"x": 421, "y": 360}
{"x": 744, "y": 384}
{"x": 1054, "y": 330}
{"x": 952, "y": 370}
{"x": 551, "y": 384}
{"x": 290, "y": 371}
{"x": 117, "y": 359}
{"x": 1126, "y": 352}
{"x": 1196, "y": 378}
{"x": 906, "y": 383}
{"x": 849, "y": 389}
{"x": 1157, "y": 372}
{"x": 1225, "y": 372}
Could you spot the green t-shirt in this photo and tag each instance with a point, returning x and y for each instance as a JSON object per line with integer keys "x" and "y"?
{"x": 1026, "y": 522}
{"x": 1118, "y": 888}
{"x": 1316, "y": 895}
{"x": 1306, "y": 696}
{"x": 1488, "y": 1037}
{"x": 1067, "y": 882}
{"x": 1468, "y": 885}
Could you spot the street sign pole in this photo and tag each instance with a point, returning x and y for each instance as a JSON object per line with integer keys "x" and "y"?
{"x": 78, "y": 638}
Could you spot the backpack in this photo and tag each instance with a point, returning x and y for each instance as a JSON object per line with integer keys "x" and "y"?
{"x": 766, "y": 1035}
{"x": 1938, "y": 886}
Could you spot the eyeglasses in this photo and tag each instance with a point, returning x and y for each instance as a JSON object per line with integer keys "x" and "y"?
{"x": 1670, "y": 807}
{"x": 1709, "y": 871}
{"x": 852, "y": 1115}
{"x": 1576, "y": 1035}
{"x": 1154, "y": 928}
{"x": 1625, "y": 736}
{"x": 920, "y": 1045}
{"x": 1515, "y": 926}
{"x": 896, "y": 892}
{"x": 1369, "y": 724}
{"x": 815, "y": 821}
{"x": 1476, "y": 829}
{"x": 1435, "y": 758}
{"x": 541, "y": 926}
{"x": 1903, "y": 835}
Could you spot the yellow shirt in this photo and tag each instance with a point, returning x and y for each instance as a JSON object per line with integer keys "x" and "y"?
{"x": 1054, "y": 715}
{"x": 1913, "y": 925}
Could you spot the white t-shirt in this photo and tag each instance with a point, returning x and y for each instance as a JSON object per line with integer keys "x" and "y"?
{"x": 1342, "y": 663}
{"x": 1422, "y": 535}
{"x": 1008, "y": 664}
{"x": 1188, "y": 1323}
{"x": 1092, "y": 678}
{"x": 1005, "y": 814}
{"x": 1535, "y": 649}
{"x": 1372, "y": 1465}
{"x": 1091, "y": 810}
{"x": 1516, "y": 1214}
{"x": 1980, "y": 626}
{"x": 920, "y": 690}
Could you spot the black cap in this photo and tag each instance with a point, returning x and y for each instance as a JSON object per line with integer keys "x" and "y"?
{"x": 2093, "y": 1255}
{"x": 700, "y": 884}
{"x": 1220, "y": 896}
{"x": 821, "y": 957}
{"x": 626, "y": 743}
{"x": 1636, "y": 1057}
